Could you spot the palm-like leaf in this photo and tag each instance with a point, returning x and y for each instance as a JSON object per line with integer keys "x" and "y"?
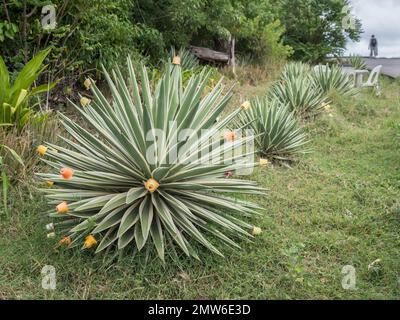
{"x": 333, "y": 78}
{"x": 107, "y": 197}
{"x": 357, "y": 62}
{"x": 294, "y": 70}
{"x": 299, "y": 94}
{"x": 277, "y": 131}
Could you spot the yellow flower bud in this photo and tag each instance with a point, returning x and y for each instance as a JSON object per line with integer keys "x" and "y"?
{"x": 49, "y": 183}
{"x": 90, "y": 241}
{"x": 85, "y": 101}
{"x": 42, "y": 150}
{"x": 328, "y": 108}
{"x": 264, "y": 162}
{"x": 176, "y": 60}
{"x": 256, "y": 231}
{"x": 246, "y": 105}
{"x": 87, "y": 84}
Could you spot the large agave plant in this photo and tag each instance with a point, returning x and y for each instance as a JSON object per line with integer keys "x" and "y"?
{"x": 294, "y": 70}
{"x": 300, "y": 95}
{"x": 110, "y": 194}
{"x": 333, "y": 78}
{"x": 357, "y": 62}
{"x": 277, "y": 131}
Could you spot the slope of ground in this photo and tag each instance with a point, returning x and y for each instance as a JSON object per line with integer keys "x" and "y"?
{"x": 337, "y": 206}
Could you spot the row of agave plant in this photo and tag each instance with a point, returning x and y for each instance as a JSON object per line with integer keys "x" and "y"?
{"x": 306, "y": 91}
{"x": 105, "y": 193}
{"x": 300, "y": 93}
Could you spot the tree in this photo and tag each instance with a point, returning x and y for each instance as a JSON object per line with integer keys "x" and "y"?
{"x": 94, "y": 32}
{"x": 209, "y": 22}
{"x": 88, "y": 33}
{"x": 317, "y": 28}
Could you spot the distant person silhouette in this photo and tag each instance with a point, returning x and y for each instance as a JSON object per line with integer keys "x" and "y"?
{"x": 373, "y": 46}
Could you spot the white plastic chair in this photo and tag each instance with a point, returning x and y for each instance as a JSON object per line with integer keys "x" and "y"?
{"x": 373, "y": 79}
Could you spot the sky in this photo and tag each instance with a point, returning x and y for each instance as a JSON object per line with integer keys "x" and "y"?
{"x": 381, "y": 18}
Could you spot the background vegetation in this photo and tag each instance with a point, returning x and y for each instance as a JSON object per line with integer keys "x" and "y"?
{"x": 91, "y": 32}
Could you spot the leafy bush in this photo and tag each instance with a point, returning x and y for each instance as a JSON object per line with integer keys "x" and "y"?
{"x": 212, "y": 23}
{"x": 120, "y": 189}
{"x": 314, "y": 29}
{"x": 333, "y": 78}
{"x": 7, "y": 30}
{"x": 277, "y": 131}
{"x": 88, "y": 33}
{"x": 94, "y": 32}
{"x": 14, "y": 98}
{"x": 265, "y": 43}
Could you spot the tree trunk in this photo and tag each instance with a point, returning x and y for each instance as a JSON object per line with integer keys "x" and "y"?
{"x": 6, "y": 11}
{"x": 232, "y": 59}
{"x": 24, "y": 31}
{"x": 209, "y": 55}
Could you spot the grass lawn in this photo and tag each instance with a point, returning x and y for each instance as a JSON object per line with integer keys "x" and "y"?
{"x": 337, "y": 206}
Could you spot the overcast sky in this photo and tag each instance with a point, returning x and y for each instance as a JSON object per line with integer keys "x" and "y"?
{"x": 381, "y": 18}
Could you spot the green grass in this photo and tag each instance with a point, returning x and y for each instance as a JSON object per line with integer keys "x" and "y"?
{"x": 337, "y": 206}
